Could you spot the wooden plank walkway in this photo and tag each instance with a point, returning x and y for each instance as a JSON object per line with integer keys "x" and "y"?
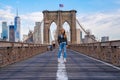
{"x": 45, "y": 67}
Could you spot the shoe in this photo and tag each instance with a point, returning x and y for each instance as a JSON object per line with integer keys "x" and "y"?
{"x": 65, "y": 60}
{"x": 58, "y": 60}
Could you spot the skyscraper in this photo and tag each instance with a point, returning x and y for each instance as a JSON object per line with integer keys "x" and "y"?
{"x": 4, "y": 31}
{"x": 37, "y": 36}
{"x": 17, "y": 28}
{"x": 68, "y": 35}
{"x": 104, "y": 38}
{"x": 11, "y": 33}
{"x": 89, "y": 39}
{"x": 79, "y": 35}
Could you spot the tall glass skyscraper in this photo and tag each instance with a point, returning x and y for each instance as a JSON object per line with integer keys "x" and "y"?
{"x": 11, "y": 33}
{"x": 4, "y": 31}
{"x": 17, "y": 28}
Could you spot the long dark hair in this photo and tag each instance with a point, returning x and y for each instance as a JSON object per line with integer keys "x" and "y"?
{"x": 63, "y": 33}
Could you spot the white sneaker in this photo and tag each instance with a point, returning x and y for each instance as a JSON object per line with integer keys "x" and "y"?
{"x": 58, "y": 60}
{"x": 64, "y": 60}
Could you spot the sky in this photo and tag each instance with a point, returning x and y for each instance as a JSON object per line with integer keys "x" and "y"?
{"x": 102, "y": 17}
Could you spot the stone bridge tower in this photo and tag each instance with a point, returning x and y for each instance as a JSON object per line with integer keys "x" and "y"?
{"x": 59, "y": 17}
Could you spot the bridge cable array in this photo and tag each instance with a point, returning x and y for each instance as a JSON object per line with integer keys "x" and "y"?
{"x": 85, "y": 30}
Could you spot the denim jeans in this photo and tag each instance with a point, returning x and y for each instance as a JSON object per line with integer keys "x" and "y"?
{"x": 62, "y": 46}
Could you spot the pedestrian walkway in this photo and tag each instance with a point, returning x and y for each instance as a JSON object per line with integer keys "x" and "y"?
{"x": 45, "y": 67}
{"x": 82, "y": 67}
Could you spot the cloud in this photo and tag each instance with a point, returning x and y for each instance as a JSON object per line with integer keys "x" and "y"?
{"x": 35, "y": 16}
{"x": 6, "y": 14}
{"x": 102, "y": 24}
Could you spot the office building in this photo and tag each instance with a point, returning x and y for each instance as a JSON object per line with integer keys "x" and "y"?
{"x": 79, "y": 35}
{"x": 25, "y": 37}
{"x": 37, "y": 35}
{"x": 29, "y": 38}
{"x": 68, "y": 35}
{"x": 89, "y": 39}
{"x": 11, "y": 33}
{"x": 4, "y": 35}
{"x": 104, "y": 38}
{"x": 17, "y": 28}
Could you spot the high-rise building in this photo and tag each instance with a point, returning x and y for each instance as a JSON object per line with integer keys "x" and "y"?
{"x": 89, "y": 39}
{"x": 68, "y": 35}
{"x": 37, "y": 36}
{"x": 79, "y": 35}
{"x": 25, "y": 37}
{"x": 17, "y": 28}
{"x": 4, "y": 31}
{"x": 105, "y": 38}
{"x": 11, "y": 33}
{"x": 0, "y": 35}
{"x": 29, "y": 38}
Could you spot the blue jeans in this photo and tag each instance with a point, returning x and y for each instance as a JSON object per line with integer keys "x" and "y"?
{"x": 61, "y": 47}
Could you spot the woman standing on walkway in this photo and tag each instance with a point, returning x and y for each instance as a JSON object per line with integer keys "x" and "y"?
{"x": 62, "y": 40}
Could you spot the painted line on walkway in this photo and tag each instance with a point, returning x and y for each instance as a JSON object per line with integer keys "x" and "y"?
{"x": 61, "y": 72}
{"x": 98, "y": 60}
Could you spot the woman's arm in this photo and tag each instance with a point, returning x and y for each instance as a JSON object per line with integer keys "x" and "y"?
{"x": 58, "y": 39}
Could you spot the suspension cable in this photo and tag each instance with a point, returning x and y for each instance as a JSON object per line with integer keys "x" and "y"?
{"x": 84, "y": 30}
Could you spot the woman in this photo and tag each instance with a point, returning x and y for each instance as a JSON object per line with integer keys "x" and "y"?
{"x": 62, "y": 40}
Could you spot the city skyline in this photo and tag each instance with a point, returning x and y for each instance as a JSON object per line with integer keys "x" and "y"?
{"x": 102, "y": 18}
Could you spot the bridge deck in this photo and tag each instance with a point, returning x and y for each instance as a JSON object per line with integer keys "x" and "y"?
{"x": 45, "y": 66}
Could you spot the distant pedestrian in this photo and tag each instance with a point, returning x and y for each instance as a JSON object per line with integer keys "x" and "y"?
{"x": 62, "y": 40}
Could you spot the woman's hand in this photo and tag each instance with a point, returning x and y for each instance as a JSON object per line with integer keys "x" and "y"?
{"x": 66, "y": 46}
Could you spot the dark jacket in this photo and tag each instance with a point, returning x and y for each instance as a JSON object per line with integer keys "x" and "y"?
{"x": 62, "y": 39}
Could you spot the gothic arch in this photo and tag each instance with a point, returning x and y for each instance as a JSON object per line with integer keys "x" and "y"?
{"x": 67, "y": 22}
{"x": 52, "y": 21}
{"x": 52, "y": 31}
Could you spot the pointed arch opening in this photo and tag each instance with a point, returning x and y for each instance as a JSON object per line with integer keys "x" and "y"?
{"x": 52, "y": 32}
{"x": 66, "y": 26}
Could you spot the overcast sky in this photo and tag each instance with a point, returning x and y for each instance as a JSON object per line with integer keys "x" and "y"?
{"x": 102, "y": 17}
